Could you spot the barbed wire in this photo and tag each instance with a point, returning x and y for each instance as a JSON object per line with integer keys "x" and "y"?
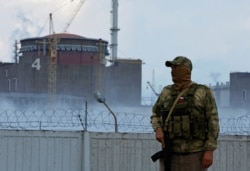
{"x": 235, "y": 126}
{"x": 96, "y": 121}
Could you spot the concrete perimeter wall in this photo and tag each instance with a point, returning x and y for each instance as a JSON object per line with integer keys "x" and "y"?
{"x": 92, "y": 151}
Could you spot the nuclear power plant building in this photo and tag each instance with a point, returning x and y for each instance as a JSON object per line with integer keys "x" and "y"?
{"x": 68, "y": 69}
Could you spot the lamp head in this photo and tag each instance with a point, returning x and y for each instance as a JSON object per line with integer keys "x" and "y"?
{"x": 99, "y": 97}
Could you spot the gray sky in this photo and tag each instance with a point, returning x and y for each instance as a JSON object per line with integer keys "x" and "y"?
{"x": 215, "y": 35}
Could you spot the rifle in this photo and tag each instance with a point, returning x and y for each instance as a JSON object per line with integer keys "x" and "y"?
{"x": 165, "y": 153}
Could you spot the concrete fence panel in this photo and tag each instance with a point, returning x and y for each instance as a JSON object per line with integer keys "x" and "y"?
{"x": 40, "y": 151}
{"x": 123, "y": 152}
{"x": 28, "y": 150}
{"x": 233, "y": 154}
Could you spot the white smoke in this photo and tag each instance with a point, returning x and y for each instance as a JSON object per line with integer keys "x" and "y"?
{"x": 25, "y": 26}
{"x": 215, "y": 76}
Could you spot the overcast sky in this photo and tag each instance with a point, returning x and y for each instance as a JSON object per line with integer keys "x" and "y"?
{"x": 214, "y": 34}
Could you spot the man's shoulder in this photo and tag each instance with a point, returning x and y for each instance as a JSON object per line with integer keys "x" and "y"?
{"x": 202, "y": 89}
{"x": 167, "y": 90}
{"x": 199, "y": 86}
{"x": 193, "y": 85}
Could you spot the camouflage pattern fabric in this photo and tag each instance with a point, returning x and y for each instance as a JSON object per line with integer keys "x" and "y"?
{"x": 203, "y": 106}
{"x": 180, "y": 60}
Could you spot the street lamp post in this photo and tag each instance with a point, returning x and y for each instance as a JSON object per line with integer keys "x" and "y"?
{"x": 98, "y": 96}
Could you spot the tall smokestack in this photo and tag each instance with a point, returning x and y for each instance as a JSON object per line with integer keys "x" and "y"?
{"x": 114, "y": 29}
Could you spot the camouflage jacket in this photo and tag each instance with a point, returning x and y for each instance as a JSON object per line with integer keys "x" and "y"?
{"x": 203, "y": 106}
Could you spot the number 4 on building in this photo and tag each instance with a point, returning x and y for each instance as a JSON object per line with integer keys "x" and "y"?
{"x": 36, "y": 64}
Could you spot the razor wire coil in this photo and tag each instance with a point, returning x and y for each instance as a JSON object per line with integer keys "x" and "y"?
{"x": 99, "y": 121}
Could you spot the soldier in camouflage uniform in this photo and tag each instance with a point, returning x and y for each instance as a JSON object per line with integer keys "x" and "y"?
{"x": 193, "y": 126}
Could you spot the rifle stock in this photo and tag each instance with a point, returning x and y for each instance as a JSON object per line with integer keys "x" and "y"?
{"x": 165, "y": 153}
{"x": 157, "y": 155}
